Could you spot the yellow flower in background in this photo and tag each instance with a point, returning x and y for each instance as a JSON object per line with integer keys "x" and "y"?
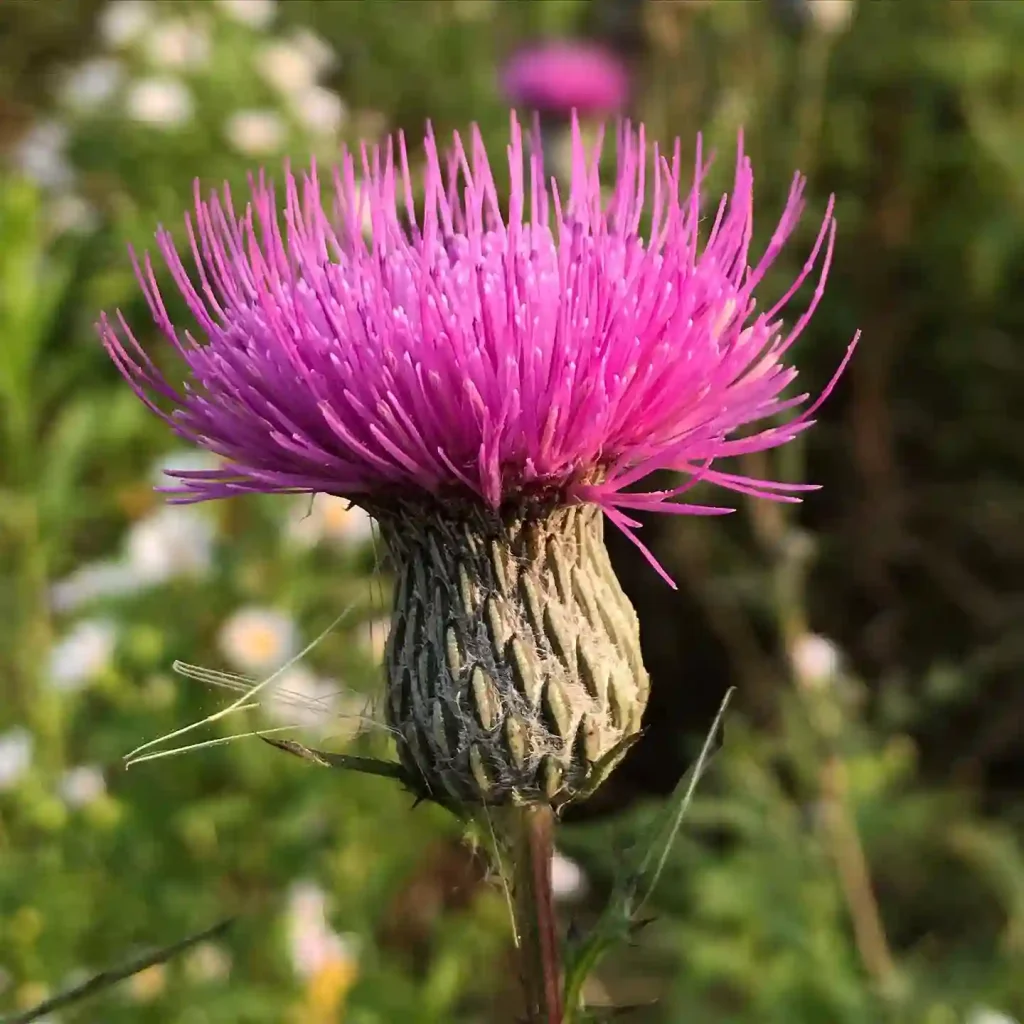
{"x": 326, "y": 992}
{"x": 29, "y": 994}
{"x": 326, "y": 961}
{"x": 258, "y": 640}
{"x": 149, "y": 984}
{"x": 328, "y": 519}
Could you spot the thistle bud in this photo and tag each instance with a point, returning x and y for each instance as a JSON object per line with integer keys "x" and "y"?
{"x": 513, "y": 662}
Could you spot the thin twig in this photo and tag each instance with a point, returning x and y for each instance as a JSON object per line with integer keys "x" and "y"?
{"x": 855, "y": 878}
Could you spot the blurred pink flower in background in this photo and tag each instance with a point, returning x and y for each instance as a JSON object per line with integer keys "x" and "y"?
{"x": 562, "y": 75}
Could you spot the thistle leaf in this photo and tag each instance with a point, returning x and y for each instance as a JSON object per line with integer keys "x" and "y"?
{"x": 620, "y": 919}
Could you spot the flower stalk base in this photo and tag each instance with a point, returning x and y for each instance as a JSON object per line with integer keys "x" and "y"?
{"x": 531, "y": 841}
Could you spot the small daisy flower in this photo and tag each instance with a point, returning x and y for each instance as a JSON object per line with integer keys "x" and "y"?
{"x": 82, "y": 786}
{"x": 178, "y": 44}
{"x": 815, "y": 660}
{"x": 300, "y": 697}
{"x": 258, "y": 641}
{"x": 159, "y": 102}
{"x": 330, "y": 519}
{"x": 254, "y": 13}
{"x": 16, "y": 748}
{"x": 568, "y": 882}
{"x": 307, "y": 905}
{"x": 82, "y": 654}
{"x": 315, "y": 947}
{"x": 319, "y": 110}
{"x": 288, "y": 67}
{"x": 70, "y": 213}
{"x": 256, "y": 132}
{"x": 41, "y": 154}
{"x": 92, "y": 84}
{"x": 986, "y": 1015}
{"x": 317, "y": 50}
{"x": 170, "y": 543}
{"x": 122, "y": 22}
{"x": 93, "y": 582}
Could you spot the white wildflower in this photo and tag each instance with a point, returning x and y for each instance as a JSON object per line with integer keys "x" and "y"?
{"x": 319, "y": 110}
{"x": 178, "y": 43}
{"x": 82, "y": 786}
{"x": 123, "y": 21}
{"x": 258, "y": 641}
{"x": 567, "y": 879}
{"x": 300, "y": 697}
{"x": 254, "y": 13}
{"x": 70, "y": 213}
{"x": 288, "y": 68}
{"x": 318, "y": 51}
{"x": 16, "y": 747}
{"x": 160, "y": 102}
{"x": 832, "y": 17}
{"x": 93, "y": 582}
{"x": 90, "y": 85}
{"x": 256, "y": 132}
{"x": 307, "y": 904}
{"x": 41, "y": 154}
{"x": 82, "y": 654}
{"x": 315, "y": 947}
{"x": 328, "y": 518}
{"x": 815, "y": 660}
{"x": 986, "y": 1015}
{"x": 173, "y": 542}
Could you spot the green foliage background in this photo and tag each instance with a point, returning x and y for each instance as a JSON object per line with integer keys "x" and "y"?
{"x": 887, "y": 794}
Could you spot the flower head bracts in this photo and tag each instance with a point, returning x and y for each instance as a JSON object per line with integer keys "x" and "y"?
{"x": 550, "y": 350}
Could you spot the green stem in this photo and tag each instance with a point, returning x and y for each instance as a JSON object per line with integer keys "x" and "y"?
{"x": 533, "y": 843}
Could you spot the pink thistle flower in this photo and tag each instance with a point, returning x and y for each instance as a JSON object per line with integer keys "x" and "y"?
{"x": 479, "y": 354}
{"x": 487, "y": 382}
{"x": 559, "y": 77}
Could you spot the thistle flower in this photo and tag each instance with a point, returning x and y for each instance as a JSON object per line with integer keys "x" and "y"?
{"x": 490, "y": 384}
{"x": 562, "y": 76}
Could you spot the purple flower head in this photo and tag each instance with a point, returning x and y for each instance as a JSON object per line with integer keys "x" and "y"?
{"x": 559, "y": 77}
{"x": 549, "y": 350}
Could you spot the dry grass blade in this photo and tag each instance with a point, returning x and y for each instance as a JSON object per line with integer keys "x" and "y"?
{"x": 105, "y": 979}
{"x": 245, "y": 702}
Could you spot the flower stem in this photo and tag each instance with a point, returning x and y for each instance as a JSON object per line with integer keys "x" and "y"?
{"x": 533, "y": 835}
